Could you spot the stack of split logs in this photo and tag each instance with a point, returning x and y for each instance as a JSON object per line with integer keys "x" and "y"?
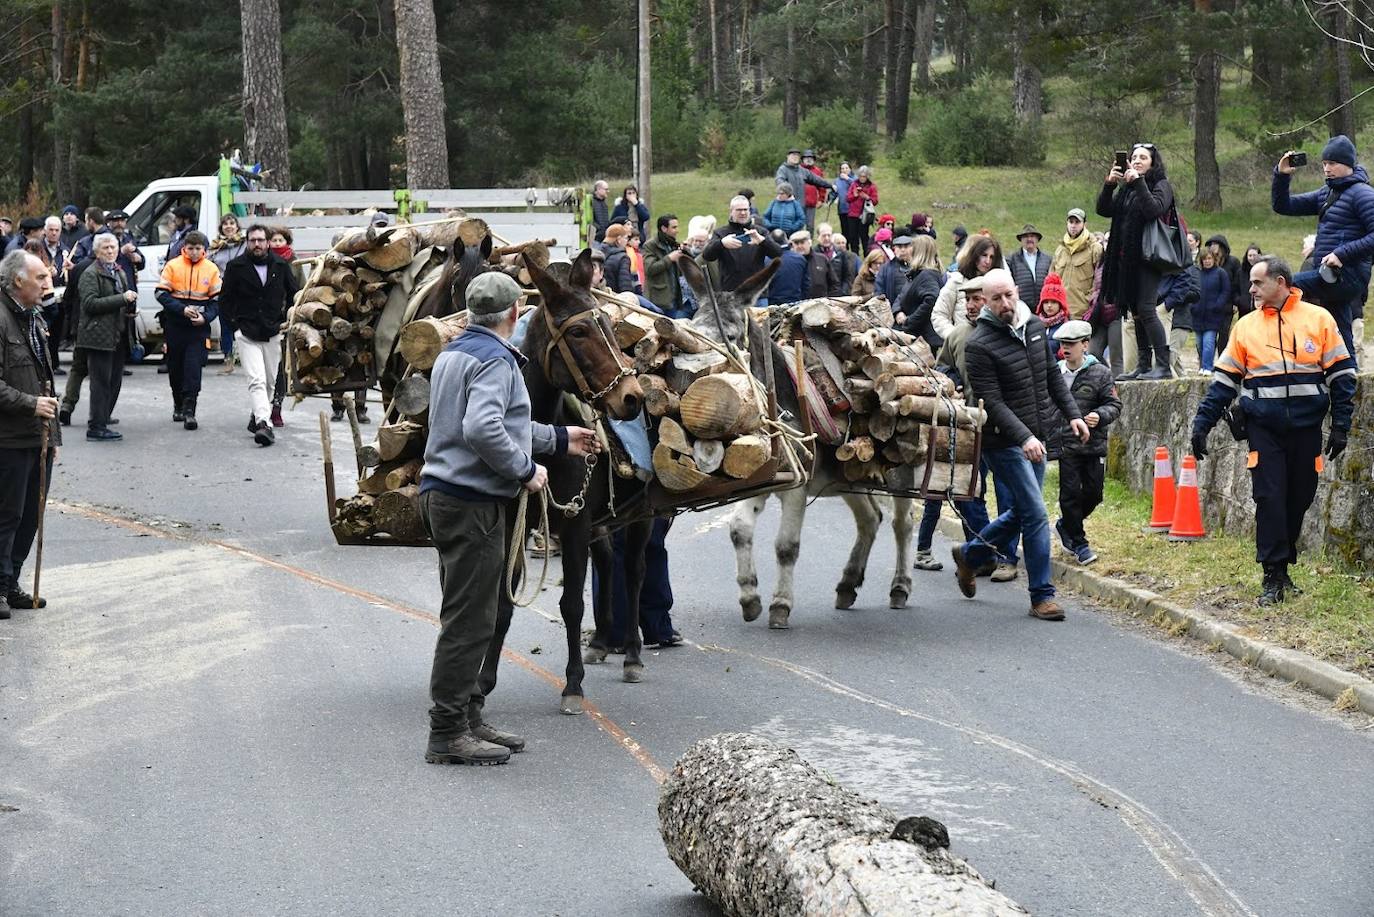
{"x": 710, "y": 415}
{"x": 332, "y": 330}
{"x": 890, "y": 407}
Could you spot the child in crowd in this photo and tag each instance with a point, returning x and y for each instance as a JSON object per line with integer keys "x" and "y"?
{"x": 1213, "y": 309}
{"x": 1082, "y": 466}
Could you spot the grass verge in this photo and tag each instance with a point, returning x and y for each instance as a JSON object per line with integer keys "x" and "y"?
{"x": 1333, "y": 620}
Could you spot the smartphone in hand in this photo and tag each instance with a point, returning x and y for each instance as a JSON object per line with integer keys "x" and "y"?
{"x": 1121, "y": 160}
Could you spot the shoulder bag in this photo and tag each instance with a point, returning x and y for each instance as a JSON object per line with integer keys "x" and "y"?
{"x": 1164, "y": 243}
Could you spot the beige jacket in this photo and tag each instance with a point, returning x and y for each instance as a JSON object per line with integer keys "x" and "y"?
{"x": 1075, "y": 261}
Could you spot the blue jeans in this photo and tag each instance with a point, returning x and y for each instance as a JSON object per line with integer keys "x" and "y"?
{"x": 656, "y": 595}
{"x": 973, "y": 516}
{"x": 1338, "y": 298}
{"x": 1206, "y": 348}
{"x": 1024, "y": 480}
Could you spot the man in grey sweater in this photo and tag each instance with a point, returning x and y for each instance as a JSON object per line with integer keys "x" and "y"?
{"x": 478, "y": 456}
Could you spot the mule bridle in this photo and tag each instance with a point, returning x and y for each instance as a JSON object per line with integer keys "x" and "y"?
{"x": 557, "y": 340}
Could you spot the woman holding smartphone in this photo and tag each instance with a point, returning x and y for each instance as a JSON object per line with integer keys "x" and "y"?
{"x": 1131, "y": 198}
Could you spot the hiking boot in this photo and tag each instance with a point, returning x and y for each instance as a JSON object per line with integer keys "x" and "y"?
{"x": 1289, "y": 587}
{"x": 4, "y": 609}
{"x": 489, "y": 733}
{"x": 276, "y": 416}
{"x": 963, "y": 573}
{"x": 465, "y": 748}
{"x": 263, "y": 435}
{"x": 1047, "y": 610}
{"x": 1271, "y": 589}
{"x": 1085, "y": 554}
{"x": 189, "y": 422}
{"x": 926, "y": 561}
{"x": 337, "y": 416}
{"x": 1064, "y": 538}
{"x": 362, "y": 416}
{"x": 1004, "y": 573}
{"x": 1132, "y": 375}
{"x": 104, "y": 435}
{"x": 178, "y": 414}
{"x": 673, "y": 639}
{"x": 18, "y": 598}
{"x": 987, "y": 569}
{"x": 64, "y": 417}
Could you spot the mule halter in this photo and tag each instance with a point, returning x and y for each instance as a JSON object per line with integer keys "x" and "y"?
{"x": 557, "y": 340}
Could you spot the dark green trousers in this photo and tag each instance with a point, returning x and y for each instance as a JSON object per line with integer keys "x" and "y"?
{"x": 472, "y": 540}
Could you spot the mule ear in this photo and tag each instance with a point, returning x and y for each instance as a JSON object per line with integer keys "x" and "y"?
{"x": 695, "y": 278}
{"x": 485, "y": 248}
{"x": 753, "y": 287}
{"x": 548, "y": 287}
{"x": 582, "y": 270}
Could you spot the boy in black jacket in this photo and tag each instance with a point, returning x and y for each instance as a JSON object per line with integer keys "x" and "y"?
{"x": 1082, "y": 465}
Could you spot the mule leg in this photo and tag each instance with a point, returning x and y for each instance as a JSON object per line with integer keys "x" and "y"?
{"x": 787, "y": 548}
{"x": 742, "y": 523}
{"x": 571, "y": 607}
{"x": 867, "y": 517}
{"x": 902, "y": 525}
{"x": 636, "y": 540}
{"x": 603, "y": 562}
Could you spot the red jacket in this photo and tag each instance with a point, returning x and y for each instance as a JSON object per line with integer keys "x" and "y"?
{"x": 814, "y": 192}
{"x": 858, "y": 193}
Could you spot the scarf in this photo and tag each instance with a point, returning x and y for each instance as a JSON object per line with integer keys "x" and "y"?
{"x": 285, "y": 253}
{"x": 1073, "y": 244}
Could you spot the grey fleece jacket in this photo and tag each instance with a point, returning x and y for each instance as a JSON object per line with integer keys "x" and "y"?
{"x": 481, "y": 438}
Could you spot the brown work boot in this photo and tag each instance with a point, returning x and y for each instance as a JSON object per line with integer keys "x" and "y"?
{"x": 964, "y": 573}
{"x": 1047, "y": 610}
{"x": 489, "y": 733}
{"x": 465, "y": 748}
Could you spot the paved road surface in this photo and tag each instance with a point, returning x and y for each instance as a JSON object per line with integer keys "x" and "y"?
{"x": 223, "y": 713}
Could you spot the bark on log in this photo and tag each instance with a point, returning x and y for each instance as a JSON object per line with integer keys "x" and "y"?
{"x": 375, "y": 483}
{"x": 676, "y": 472}
{"x": 400, "y": 440}
{"x": 409, "y": 473}
{"x": 890, "y": 386}
{"x": 306, "y": 338}
{"x": 422, "y": 341}
{"x": 876, "y": 365}
{"x": 963, "y": 445}
{"x": 411, "y": 396}
{"x": 316, "y": 313}
{"x": 686, "y": 368}
{"x": 397, "y": 512}
{"x": 708, "y": 454}
{"x": 745, "y": 455}
{"x": 679, "y": 335}
{"x": 630, "y": 327}
{"x": 860, "y": 447}
{"x": 660, "y": 402}
{"x": 722, "y": 405}
{"x": 931, "y": 409}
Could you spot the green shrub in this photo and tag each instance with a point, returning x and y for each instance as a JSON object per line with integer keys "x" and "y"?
{"x": 969, "y": 128}
{"x": 760, "y": 153}
{"x": 907, "y": 160}
{"x": 837, "y": 132}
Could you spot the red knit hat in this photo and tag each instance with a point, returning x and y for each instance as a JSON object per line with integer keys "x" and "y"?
{"x": 1054, "y": 289}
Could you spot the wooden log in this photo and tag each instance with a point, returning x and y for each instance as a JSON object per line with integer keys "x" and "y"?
{"x": 421, "y": 342}
{"x": 368, "y": 277}
{"x": 860, "y": 447}
{"x": 533, "y": 246}
{"x": 630, "y": 327}
{"x": 963, "y": 445}
{"x": 306, "y": 338}
{"x": 397, "y": 512}
{"x": 411, "y": 395}
{"x": 882, "y": 426}
{"x": 721, "y": 405}
{"x": 320, "y": 376}
{"x": 335, "y": 260}
{"x": 889, "y": 386}
{"x": 880, "y": 363}
{"x": 685, "y": 368}
{"x": 746, "y": 455}
{"x": 647, "y": 347}
{"x": 649, "y": 380}
{"x": 353, "y": 517}
{"x": 395, "y": 251}
{"x": 708, "y": 454}
{"x": 933, "y": 409}
{"x": 316, "y": 313}
{"x": 671, "y": 434}
{"x": 958, "y": 479}
{"x": 409, "y": 473}
{"x": 341, "y": 328}
{"x": 319, "y": 293}
{"x": 676, "y": 472}
{"x": 340, "y": 358}
{"x": 660, "y": 402}
{"x": 400, "y": 440}
{"x": 679, "y": 335}
{"x": 375, "y": 482}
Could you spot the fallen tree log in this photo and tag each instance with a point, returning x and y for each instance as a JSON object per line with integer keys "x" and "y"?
{"x": 761, "y": 832}
{"x": 422, "y": 341}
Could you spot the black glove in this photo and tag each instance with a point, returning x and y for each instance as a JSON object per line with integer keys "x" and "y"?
{"x": 1335, "y": 443}
{"x": 1199, "y": 445}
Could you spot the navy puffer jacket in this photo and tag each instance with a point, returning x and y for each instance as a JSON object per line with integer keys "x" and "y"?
{"x": 1347, "y": 228}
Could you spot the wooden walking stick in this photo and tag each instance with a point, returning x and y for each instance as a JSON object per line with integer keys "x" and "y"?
{"x": 42, "y": 500}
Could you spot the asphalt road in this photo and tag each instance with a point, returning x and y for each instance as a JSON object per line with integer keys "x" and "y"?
{"x": 222, "y": 712}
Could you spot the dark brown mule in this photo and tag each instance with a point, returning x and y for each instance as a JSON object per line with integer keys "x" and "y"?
{"x": 571, "y": 348}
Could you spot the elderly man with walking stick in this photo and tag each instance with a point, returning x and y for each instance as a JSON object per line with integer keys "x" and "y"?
{"x": 28, "y": 436}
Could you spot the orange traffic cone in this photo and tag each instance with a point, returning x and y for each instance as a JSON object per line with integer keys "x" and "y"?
{"x": 1162, "y": 515}
{"x": 1188, "y": 515}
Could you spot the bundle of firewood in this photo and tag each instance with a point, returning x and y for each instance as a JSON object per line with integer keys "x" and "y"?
{"x": 891, "y": 408}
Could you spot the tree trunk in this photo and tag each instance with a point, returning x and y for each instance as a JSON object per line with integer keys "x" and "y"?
{"x": 646, "y": 157}
{"x": 61, "y": 142}
{"x": 902, "y": 78}
{"x": 790, "y": 116}
{"x": 925, "y": 41}
{"x": 1343, "y": 118}
{"x": 891, "y": 40}
{"x": 712, "y": 14}
{"x": 1206, "y": 99}
{"x": 1026, "y": 96}
{"x": 422, "y": 95}
{"x": 872, "y": 51}
{"x": 759, "y": 831}
{"x": 957, "y": 32}
{"x": 264, "y": 102}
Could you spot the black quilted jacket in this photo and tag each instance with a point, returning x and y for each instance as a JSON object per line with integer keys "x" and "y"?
{"x": 1020, "y": 385}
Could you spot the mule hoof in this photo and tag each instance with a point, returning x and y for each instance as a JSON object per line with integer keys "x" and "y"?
{"x": 777, "y": 617}
{"x": 571, "y": 705}
{"x": 898, "y": 598}
{"x": 593, "y": 656}
{"x": 845, "y": 598}
{"x": 634, "y": 674}
{"x": 751, "y": 608}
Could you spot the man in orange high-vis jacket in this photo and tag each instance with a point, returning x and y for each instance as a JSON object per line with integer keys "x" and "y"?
{"x": 1289, "y": 364}
{"x": 189, "y": 294}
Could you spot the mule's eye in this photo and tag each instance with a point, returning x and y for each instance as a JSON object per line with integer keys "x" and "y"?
{"x": 578, "y": 331}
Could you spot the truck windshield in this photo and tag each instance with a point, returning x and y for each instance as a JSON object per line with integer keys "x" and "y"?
{"x": 151, "y": 223}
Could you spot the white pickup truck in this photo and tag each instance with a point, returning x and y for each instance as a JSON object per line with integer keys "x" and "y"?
{"x": 315, "y": 217}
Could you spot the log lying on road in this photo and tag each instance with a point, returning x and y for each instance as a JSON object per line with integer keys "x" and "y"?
{"x": 761, "y": 832}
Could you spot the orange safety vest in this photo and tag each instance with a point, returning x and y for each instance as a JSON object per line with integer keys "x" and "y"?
{"x": 190, "y": 282}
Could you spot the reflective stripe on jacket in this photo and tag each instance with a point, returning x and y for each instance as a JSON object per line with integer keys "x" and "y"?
{"x": 1288, "y": 365}
{"x": 190, "y": 282}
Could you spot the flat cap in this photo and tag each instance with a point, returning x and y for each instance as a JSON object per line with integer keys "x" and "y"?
{"x": 492, "y": 292}
{"x": 1075, "y": 330}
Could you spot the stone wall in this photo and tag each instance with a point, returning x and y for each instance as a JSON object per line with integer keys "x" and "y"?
{"x": 1161, "y": 414}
